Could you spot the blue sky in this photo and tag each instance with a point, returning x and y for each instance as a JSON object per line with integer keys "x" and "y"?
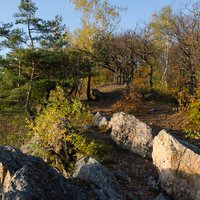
{"x": 137, "y": 10}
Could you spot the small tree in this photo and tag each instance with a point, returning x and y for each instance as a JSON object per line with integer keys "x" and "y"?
{"x": 161, "y": 26}
{"x": 37, "y": 50}
{"x": 98, "y": 18}
{"x": 117, "y": 53}
{"x": 57, "y": 131}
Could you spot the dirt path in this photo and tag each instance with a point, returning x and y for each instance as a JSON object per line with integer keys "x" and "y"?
{"x": 157, "y": 114}
{"x": 132, "y": 171}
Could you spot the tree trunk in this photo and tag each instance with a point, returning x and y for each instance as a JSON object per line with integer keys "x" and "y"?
{"x": 151, "y": 76}
{"x": 192, "y": 82}
{"x": 181, "y": 81}
{"x": 166, "y": 60}
{"x": 19, "y": 72}
{"x": 89, "y": 98}
{"x": 29, "y": 93}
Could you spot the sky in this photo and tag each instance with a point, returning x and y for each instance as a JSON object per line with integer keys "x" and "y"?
{"x": 137, "y": 10}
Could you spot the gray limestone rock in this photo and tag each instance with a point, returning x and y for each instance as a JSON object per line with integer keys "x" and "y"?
{"x": 101, "y": 180}
{"x": 131, "y": 133}
{"x": 99, "y": 120}
{"x": 24, "y": 177}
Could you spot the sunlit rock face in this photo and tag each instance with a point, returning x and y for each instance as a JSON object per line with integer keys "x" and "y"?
{"x": 178, "y": 164}
{"x": 131, "y": 133}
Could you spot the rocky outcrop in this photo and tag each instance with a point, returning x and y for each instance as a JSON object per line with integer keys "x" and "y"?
{"x": 131, "y": 133}
{"x": 24, "y": 177}
{"x": 179, "y": 166}
{"x": 99, "y": 120}
{"x": 101, "y": 180}
{"x": 162, "y": 196}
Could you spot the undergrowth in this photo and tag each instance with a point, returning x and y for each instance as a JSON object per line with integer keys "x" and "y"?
{"x": 57, "y": 131}
{"x": 156, "y": 95}
{"x": 12, "y": 128}
{"x": 190, "y": 104}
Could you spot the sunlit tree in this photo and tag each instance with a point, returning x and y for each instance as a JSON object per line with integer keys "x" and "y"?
{"x": 98, "y": 18}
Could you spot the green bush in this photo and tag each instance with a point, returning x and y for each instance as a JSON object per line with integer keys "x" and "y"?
{"x": 12, "y": 128}
{"x": 57, "y": 130}
{"x": 190, "y": 104}
{"x": 194, "y": 108}
{"x": 183, "y": 99}
{"x": 156, "y": 95}
{"x": 41, "y": 89}
{"x": 192, "y": 134}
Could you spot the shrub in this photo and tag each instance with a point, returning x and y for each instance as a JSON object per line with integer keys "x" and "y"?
{"x": 183, "y": 99}
{"x": 12, "y": 128}
{"x": 57, "y": 131}
{"x": 190, "y": 104}
{"x": 194, "y": 108}
{"x": 41, "y": 90}
{"x": 192, "y": 134}
{"x": 156, "y": 95}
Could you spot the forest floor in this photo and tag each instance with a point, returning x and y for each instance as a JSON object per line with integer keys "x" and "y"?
{"x": 133, "y": 171}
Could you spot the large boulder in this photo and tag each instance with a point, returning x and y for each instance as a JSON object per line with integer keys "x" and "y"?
{"x": 131, "y": 133}
{"x": 24, "y": 177}
{"x": 101, "y": 180}
{"x": 178, "y": 164}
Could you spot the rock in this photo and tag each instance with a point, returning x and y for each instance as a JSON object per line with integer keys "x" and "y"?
{"x": 99, "y": 96}
{"x": 162, "y": 196}
{"x": 99, "y": 120}
{"x": 28, "y": 147}
{"x": 101, "y": 180}
{"x": 25, "y": 177}
{"x": 178, "y": 164}
{"x": 152, "y": 183}
{"x": 152, "y": 110}
{"x": 121, "y": 175}
{"x": 132, "y": 134}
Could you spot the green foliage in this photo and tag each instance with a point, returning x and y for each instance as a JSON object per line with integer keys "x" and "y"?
{"x": 183, "y": 99}
{"x": 12, "y": 129}
{"x": 41, "y": 90}
{"x": 98, "y": 16}
{"x": 50, "y": 125}
{"x": 190, "y": 104}
{"x": 8, "y": 79}
{"x": 194, "y": 108}
{"x": 192, "y": 134}
{"x": 161, "y": 23}
{"x": 57, "y": 131}
{"x": 156, "y": 95}
{"x": 101, "y": 152}
{"x": 102, "y": 76}
{"x": 12, "y": 98}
